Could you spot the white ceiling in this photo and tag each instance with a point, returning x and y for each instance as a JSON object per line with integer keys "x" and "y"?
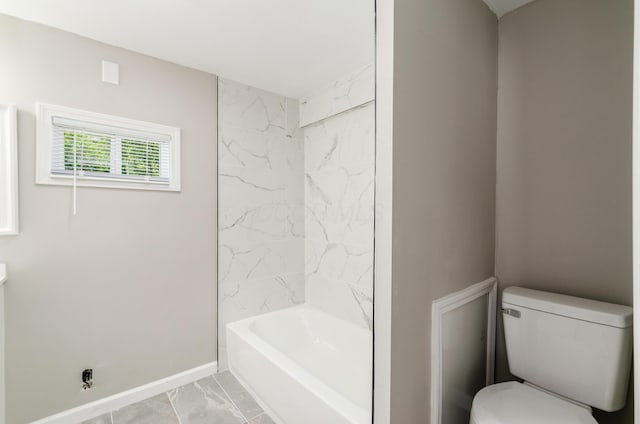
{"x": 501, "y": 7}
{"x": 291, "y": 47}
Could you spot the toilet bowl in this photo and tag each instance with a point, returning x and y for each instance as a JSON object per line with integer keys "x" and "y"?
{"x": 572, "y": 353}
{"x": 518, "y": 403}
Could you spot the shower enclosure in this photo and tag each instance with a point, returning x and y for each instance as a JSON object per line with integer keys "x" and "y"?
{"x": 295, "y": 242}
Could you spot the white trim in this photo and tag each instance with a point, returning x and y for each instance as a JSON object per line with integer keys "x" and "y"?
{"x": 322, "y": 120}
{"x": 3, "y": 274}
{"x": 383, "y": 294}
{"x": 9, "y": 169}
{"x": 45, "y": 114}
{"x": 3, "y": 279}
{"x": 636, "y": 208}
{"x": 439, "y": 308}
{"x": 119, "y": 400}
{"x": 351, "y": 91}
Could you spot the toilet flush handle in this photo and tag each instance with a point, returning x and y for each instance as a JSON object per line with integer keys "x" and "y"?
{"x": 512, "y": 312}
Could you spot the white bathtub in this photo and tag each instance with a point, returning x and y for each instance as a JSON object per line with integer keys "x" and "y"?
{"x": 304, "y": 366}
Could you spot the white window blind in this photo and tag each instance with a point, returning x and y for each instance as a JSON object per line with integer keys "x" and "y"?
{"x": 88, "y": 149}
{"x": 98, "y": 151}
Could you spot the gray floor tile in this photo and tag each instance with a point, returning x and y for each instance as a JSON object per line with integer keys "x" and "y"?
{"x": 102, "y": 419}
{"x": 204, "y": 402}
{"x": 239, "y": 395}
{"x": 261, "y": 419}
{"x": 155, "y": 410}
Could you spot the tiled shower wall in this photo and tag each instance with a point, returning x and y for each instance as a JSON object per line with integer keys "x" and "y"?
{"x": 261, "y": 205}
{"x": 339, "y": 159}
{"x": 296, "y": 217}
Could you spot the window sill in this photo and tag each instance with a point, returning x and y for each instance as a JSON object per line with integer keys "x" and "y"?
{"x": 106, "y": 183}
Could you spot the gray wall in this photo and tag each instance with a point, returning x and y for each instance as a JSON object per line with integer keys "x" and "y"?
{"x": 128, "y": 285}
{"x": 564, "y": 153}
{"x": 444, "y": 158}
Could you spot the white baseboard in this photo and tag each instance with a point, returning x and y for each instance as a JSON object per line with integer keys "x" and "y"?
{"x": 119, "y": 400}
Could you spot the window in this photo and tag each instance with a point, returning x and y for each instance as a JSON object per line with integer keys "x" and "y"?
{"x": 76, "y": 147}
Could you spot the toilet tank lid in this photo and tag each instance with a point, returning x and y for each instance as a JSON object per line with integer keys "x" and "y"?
{"x": 594, "y": 311}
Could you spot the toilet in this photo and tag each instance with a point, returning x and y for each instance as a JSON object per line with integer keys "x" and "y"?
{"x": 572, "y": 353}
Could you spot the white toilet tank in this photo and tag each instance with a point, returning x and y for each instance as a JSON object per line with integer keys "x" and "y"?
{"x": 574, "y": 347}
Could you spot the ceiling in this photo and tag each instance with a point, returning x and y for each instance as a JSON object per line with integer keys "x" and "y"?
{"x": 291, "y": 47}
{"x": 501, "y": 7}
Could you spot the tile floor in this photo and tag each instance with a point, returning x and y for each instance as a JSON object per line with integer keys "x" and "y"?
{"x": 219, "y": 399}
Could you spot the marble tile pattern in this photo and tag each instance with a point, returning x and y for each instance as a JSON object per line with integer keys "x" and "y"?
{"x": 352, "y": 90}
{"x": 262, "y": 419}
{"x": 261, "y": 205}
{"x": 339, "y": 155}
{"x": 102, "y": 419}
{"x": 157, "y": 409}
{"x": 217, "y": 399}
{"x": 205, "y": 402}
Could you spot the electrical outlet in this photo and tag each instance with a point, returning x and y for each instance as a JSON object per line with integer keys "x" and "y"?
{"x": 87, "y": 379}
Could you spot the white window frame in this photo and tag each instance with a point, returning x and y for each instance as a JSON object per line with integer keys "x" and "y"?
{"x": 8, "y": 170}
{"x": 44, "y": 140}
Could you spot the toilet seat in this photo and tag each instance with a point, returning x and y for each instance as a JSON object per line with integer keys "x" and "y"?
{"x": 517, "y": 403}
